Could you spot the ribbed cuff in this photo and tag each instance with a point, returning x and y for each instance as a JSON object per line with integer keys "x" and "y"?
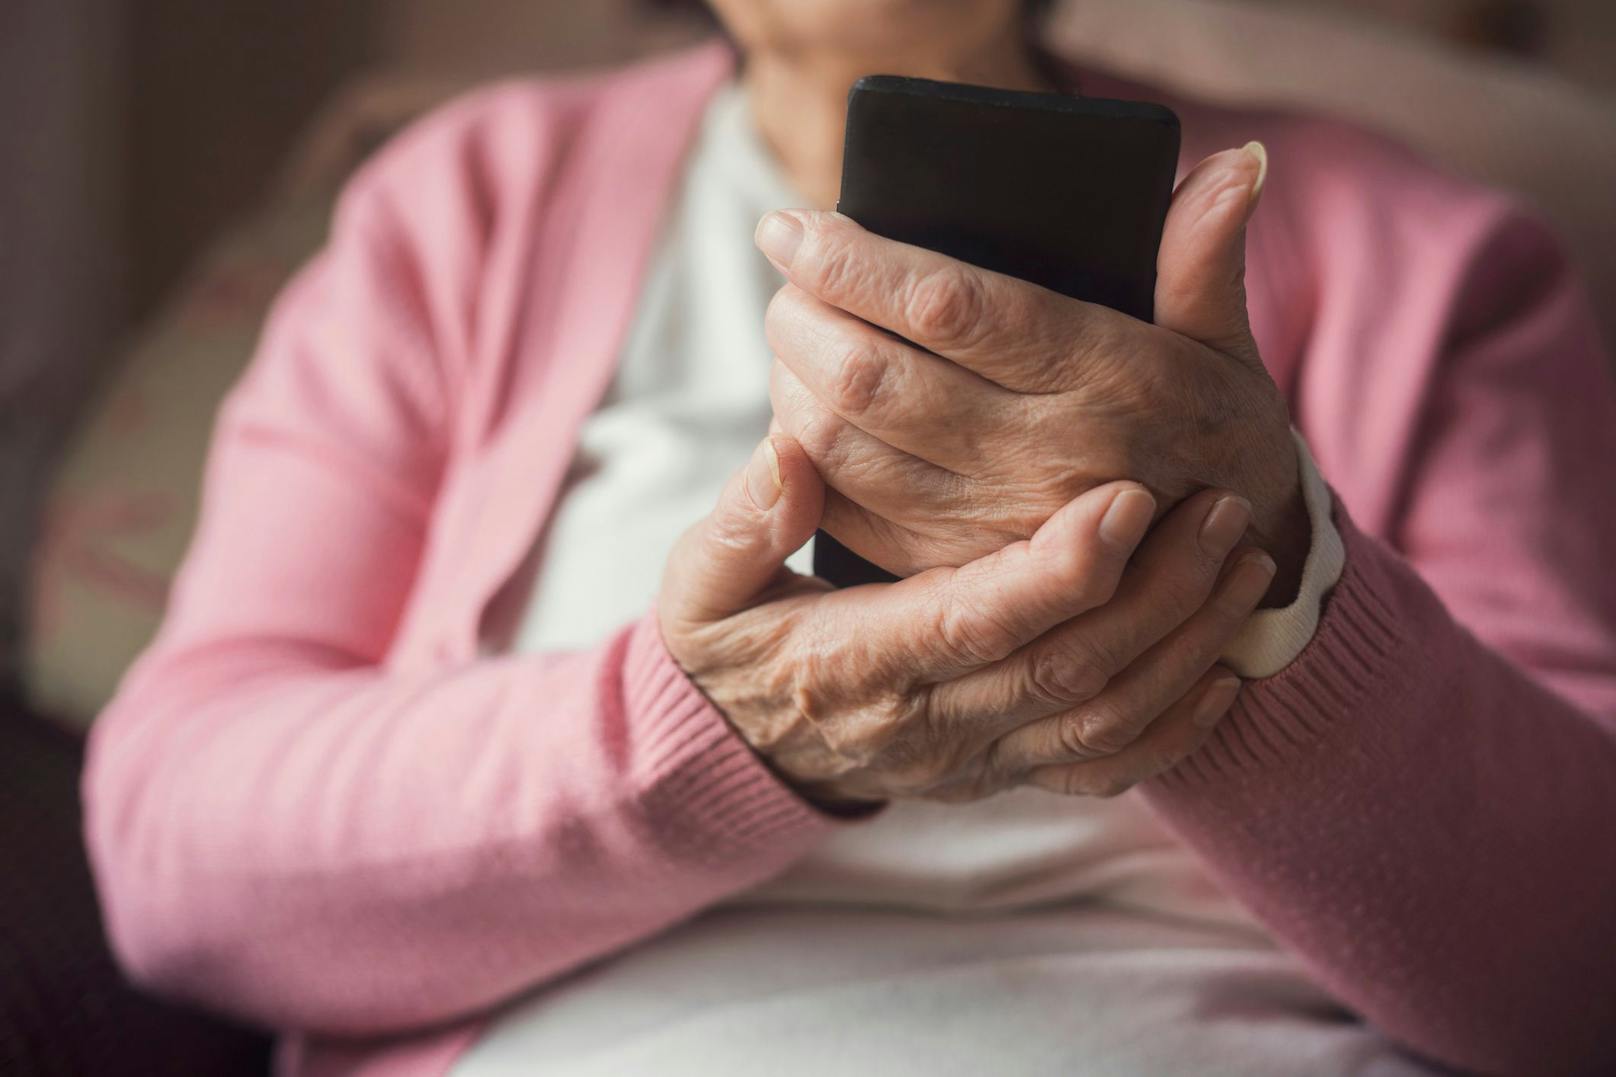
{"x": 1358, "y": 646}
{"x": 1272, "y": 639}
{"x": 705, "y": 790}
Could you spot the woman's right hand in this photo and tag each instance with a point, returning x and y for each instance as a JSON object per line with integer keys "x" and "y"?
{"x": 1053, "y": 662}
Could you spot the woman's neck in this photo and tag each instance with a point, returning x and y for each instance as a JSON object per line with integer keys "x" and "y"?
{"x": 799, "y": 101}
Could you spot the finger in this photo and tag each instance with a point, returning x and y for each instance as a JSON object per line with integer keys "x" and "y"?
{"x": 1116, "y": 718}
{"x": 1201, "y": 270}
{"x": 1177, "y": 736}
{"x": 912, "y": 400}
{"x": 904, "y": 550}
{"x": 874, "y": 488}
{"x": 947, "y": 621}
{"x": 1004, "y": 329}
{"x": 857, "y": 463}
{"x": 765, "y": 513}
{"x": 1169, "y": 580}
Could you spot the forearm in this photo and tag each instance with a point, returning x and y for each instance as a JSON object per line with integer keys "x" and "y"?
{"x": 359, "y": 852}
{"x": 1426, "y": 826}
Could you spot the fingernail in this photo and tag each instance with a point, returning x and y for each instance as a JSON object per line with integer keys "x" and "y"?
{"x": 1259, "y": 151}
{"x": 1217, "y": 701}
{"x": 763, "y": 476}
{"x": 1128, "y": 518}
{"x": 1247, "y": 584}
{"x": 1224, "y": 525}
{"x": 778, "y": 237}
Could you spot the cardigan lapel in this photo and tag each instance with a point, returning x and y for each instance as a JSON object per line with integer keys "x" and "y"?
{"x": 585, "y": 282}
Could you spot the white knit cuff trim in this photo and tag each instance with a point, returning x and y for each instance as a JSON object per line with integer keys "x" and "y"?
{"x": 1272, "y": 639}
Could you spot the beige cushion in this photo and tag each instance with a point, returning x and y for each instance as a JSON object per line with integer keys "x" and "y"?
{"x": 122, "y": 506}
{"x": 1520, "y": 128}
{"x": 124, "y": 502}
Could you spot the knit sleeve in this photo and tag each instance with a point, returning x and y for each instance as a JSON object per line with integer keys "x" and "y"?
{"x": 288, "y": 825}
{"x": 1421, "y": 804}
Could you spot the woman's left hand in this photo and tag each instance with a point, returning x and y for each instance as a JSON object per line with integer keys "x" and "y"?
{"x": 953, "y": 410}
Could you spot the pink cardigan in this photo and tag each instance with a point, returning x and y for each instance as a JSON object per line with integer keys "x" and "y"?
{"x": 315, "y": 805}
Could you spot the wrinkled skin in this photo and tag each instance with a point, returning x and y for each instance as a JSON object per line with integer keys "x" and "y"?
{"x": 953, "y": 410}
{"x": 1005, "y": 447}
{"x": 1080, "y": 661}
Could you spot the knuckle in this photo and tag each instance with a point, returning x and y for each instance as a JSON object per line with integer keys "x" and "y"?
{"x": 861, "y": 378}
{"x": 819, "y": 432}
{"x": 1083, "y": 579}
{"x": 946, "y": 306}
{"x": 1073, "y": 736}
{"x": 972, "y": 636}
{"x": 1106, "y": 731}
{"x": 854, "y": 745}
{"x": 1061, "y": 676}
{"x": 924, "y": 728}
{"x": 1094, "y": 732}
{"x": 903, "y": 721}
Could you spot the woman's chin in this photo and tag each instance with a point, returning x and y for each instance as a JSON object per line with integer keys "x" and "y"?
{"x": 894, "y": 28}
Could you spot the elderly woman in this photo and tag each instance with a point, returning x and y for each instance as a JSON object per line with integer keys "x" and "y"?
{"x": 453, "y": 756}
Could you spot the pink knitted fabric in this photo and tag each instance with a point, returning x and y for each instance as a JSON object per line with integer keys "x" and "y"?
{"x": 315, "y": 806}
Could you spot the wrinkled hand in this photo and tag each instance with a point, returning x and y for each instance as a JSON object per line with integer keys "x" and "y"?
{"x": 1077, "y": 660}
{"x": 953, "y": 410}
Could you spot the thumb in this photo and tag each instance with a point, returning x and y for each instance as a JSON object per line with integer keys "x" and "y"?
{"x": 1201, "y": 272}
{"x": 766, "y": 512}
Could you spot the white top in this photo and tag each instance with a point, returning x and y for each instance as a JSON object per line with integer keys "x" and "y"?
{"x": 1012, "y": 936}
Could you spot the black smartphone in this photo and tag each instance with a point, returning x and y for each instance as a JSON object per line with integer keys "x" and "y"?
{"x": 1068, "y": 192}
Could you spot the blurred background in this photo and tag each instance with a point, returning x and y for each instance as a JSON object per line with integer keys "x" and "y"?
{"x": 168, "y": 163}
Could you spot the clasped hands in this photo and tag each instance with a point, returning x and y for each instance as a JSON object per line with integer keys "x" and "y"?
{"x": 1086, "y": 508}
